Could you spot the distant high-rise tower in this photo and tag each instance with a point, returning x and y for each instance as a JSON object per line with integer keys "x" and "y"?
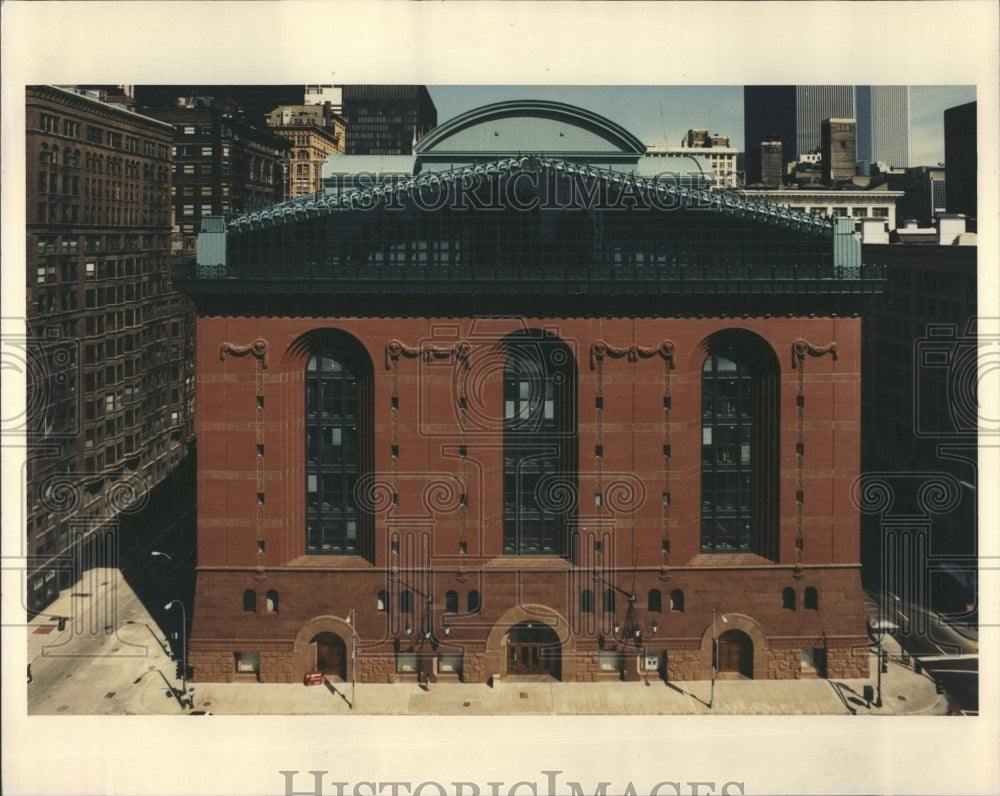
{"x": 883, "y": 115}
{"x": 792, "y": 115}
{"x": 813, "y": 104}
{"x": 769, "y": 115}
{"x": 386, "y": 120}
{"x": 960, "y": 160}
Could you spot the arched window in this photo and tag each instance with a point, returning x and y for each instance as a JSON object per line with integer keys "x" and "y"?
{"x": 739, "y": 460}
{"x": 406, "y": 602}
{"x": 609, "y": 601}
{"x": 810, "y": 600}
{"x": 272, "y": 601}
{"x": 382, "y": 602}
{"x": 249, "y": 601}
{"x": 473, "y": 602}
{"x": 540, "y": 459}
{"x": 338, "y": 444}
{"x": 677, "y": 600}
{"x": 788, "y": 598}
{"x": 654, "y": 602}
{"x": 586, "y": 602}
{"x": 43, "y": 155}
{"x": 451, "y": 602}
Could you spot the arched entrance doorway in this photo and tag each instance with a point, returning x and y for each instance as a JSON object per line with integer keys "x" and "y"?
{"x": 736, "y": 653}
{"x": 533, "y": 648}
{"x": 331, "y": 654}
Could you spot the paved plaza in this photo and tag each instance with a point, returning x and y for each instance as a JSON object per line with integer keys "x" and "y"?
{"x": 110, "y": 658}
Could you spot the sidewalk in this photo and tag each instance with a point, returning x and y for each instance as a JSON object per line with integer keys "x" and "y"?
{"x": 112, "y": 659}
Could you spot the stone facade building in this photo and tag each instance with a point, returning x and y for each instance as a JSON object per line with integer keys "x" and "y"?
{"x": 110, "y": 413}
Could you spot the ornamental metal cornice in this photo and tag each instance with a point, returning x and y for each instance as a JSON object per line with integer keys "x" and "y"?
{"x": 424, "y": 191}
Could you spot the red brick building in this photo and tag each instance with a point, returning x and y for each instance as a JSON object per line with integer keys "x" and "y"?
{"x": 570, "y": 414}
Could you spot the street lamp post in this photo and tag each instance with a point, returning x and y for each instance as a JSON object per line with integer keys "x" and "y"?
{"x": 158, "y": 553}
{"x": 715, "y": 653}
{"x": 167, "y": 607}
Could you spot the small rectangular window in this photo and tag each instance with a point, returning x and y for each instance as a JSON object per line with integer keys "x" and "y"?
{"x": 666, "y": 451}
{"x": 260, "y": 450}
{"x": 247, "y": 662}
{"x": 599, "y": 451}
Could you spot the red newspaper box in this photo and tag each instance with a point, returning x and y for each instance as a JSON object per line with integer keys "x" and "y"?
{"x": 312, "y": 678}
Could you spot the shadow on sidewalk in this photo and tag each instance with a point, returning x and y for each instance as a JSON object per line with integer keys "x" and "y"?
{"x": 839, "y": 689}
{"x": 680, "y": 690}
{"x": 333, "y": 690}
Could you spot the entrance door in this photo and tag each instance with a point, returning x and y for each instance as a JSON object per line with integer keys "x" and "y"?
{"x": 331, "y": 655}
{"x": 533, "y": 648}
{"x": 736, "y": 653}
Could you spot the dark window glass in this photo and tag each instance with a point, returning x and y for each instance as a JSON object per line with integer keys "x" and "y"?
{"x": 539, "y": 482}
{"x": 331, "y": 452}
{"x": 727, "y": 453}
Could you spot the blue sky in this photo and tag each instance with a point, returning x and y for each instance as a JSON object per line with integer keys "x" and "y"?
{"x": 663, "y": 114}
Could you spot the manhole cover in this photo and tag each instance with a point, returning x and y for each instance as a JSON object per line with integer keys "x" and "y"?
{"x": 109, "y": 694}
{"x": 206, "y": 704}
{"x": 62, "y": 708}
{"x": 466, "y": 704}
{"x": 901, "y": 698}
{"x": 523, "y": 695}
{"x": 150, "y": 668}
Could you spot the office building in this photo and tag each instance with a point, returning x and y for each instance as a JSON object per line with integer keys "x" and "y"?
{"x": 222, "y": 164}
{"x": 714, "y": 149}
{"x": 813, "y": 104}
{"x": 921, "y": 419}
{"x": 529, "y": 411}
{"x": 961, "y": 161}
{"x": 315, "y": 133}
{"x": 764, "y": 166}
{"x": 794, "y": 115}
{"x": 386, "y": 120}
{"x": 883, "y": 125}
{"x": 110, "y": 410}
{"x": 769, "y": 115}
{"x": 838, "y": 150}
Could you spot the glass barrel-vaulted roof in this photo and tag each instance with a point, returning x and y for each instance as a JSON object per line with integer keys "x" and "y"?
{"x": 592, "y": 218}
